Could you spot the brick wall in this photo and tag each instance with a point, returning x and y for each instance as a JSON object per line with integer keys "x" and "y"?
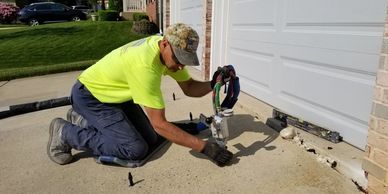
{"x": 166, "y": 14}
{"x": 152, "y": 13}
{"x": 207, "y": 6}
{"x": 376, "y": 152}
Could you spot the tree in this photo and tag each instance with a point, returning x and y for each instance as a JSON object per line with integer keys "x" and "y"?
{"x": 112, "y": 5}
{"x": 93, "y": 3}
{"x": 67, "y": 2}
{"x": 23, "y": 3}
{"x": 119, "y": 4}
{"x": 103, "y": 4}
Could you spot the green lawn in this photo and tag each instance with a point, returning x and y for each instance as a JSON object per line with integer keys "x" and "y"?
{"x": 59, "y": 47}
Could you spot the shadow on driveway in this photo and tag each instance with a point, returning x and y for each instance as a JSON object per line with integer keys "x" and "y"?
{"x": 239, "y": 124}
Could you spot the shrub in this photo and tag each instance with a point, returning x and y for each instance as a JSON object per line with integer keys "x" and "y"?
{"x": 22, "y": 3}
{"x": 119, "y": 5}
{"x": 144, "y": 27}
{"x": 112, "y": 5}
{"x": 108, "y": 15}
{"x": 140, "y": 16}
{"x": 8, "y": 13}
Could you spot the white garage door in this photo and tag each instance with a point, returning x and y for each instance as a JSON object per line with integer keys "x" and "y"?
{"x": 316, "y": 60}
{"x": 190, "y": 12}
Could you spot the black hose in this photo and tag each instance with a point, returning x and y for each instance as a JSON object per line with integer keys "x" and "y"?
{"x": 34, "y": 106}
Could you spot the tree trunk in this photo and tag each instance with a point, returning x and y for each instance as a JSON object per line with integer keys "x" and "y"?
{"x": 103, "y": 4}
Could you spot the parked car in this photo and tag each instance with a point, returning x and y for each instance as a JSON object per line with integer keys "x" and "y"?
{"x": 37, "y": 13}
{"x": 82, "y": 8}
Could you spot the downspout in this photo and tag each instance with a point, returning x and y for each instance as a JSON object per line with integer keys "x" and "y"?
{"x": 160, "y": 16}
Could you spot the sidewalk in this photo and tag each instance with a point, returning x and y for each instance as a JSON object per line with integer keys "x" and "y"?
{"x": 10, "y": 28}
{"x": 263, "y": 163}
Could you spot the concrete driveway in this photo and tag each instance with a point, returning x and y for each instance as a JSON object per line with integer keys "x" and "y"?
{"x": 263, "y": 163}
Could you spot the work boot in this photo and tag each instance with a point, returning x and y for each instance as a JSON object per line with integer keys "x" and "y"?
{"x": 57, "y": 149}
{"x": 76, "y": 119}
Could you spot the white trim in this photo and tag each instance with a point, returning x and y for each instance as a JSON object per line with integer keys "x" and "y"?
{"x": 134, "y": 5}
{"x": 219, "y": 45}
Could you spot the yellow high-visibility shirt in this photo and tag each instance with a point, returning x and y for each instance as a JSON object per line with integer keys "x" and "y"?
{"x": 131, "y": 72}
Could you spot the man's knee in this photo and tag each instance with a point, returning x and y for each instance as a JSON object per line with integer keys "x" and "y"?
{"x": 133, "y": 150}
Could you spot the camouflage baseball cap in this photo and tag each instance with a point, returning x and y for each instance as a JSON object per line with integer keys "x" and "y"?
{"x": 184, "y": 41}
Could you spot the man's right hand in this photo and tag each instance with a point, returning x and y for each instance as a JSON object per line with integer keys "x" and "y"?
{"x": 219, "y": 155}
{"x": 226, "y": 72}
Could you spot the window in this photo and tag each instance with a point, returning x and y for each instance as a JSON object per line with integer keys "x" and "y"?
{"x": 42, "y": 7}
{"x": 57, "y": 7}
{"x": 80, "y": 7}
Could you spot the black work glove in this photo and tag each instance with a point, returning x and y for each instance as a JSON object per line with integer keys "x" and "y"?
{"x": 219, "y": 155}
{"x": 226, "y": 71}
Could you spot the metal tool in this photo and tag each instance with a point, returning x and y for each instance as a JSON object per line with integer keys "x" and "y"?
{"x": 222, "y": 112}
{"x": 219, "y": 127}
{"x": 130, "y": 179}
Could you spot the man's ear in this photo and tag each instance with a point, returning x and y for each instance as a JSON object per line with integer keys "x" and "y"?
{"x": 164, "y": 43}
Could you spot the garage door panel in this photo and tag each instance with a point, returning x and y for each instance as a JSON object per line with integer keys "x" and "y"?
{"x": 352, "y": 130}
{"x": 366, "y": 28}
{"x": 264, "y": 14}
{"x": 265, "y": 50}
{"x": 258, "y": 90}
{"x": 253, "y": 66}
{"x": 266, "y": 35}
{"x": 368, "y": 43}
{"x": 313, "y": 59}
{"x": 253, "y": 28}
{"x": 341, "y": 42}
{"x": 327, "y": 116}
{"x": 359, "y": 65}
{"x": 330, "y": 90}
{"x": 333, "y": 11}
